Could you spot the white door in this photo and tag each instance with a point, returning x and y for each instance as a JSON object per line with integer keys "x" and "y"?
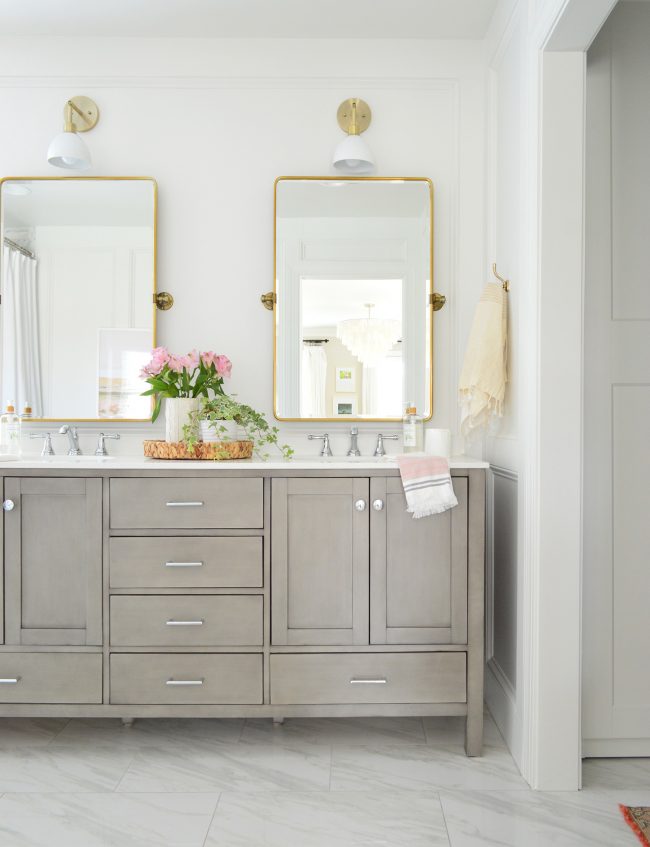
{"x": 616, "y": 682}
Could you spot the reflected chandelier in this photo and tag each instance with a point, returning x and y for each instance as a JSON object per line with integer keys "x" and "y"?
{"x": 369, "y": 339}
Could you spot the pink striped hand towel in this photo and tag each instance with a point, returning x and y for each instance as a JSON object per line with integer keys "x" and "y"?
{"x": 427, "y": 484}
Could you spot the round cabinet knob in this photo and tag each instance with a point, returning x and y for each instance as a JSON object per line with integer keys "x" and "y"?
{"x": 377, "y": 505}
{"x": 360, "y": 505}
{"x": 8, "y": 505}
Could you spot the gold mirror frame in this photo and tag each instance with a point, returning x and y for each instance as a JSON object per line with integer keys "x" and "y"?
{"x": 433, "y": 306}
{"x": 154, "y": 296}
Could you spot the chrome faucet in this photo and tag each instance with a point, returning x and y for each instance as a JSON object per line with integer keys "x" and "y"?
{"x": 354, "y": 445}
{"x": 326, "y": 451}
{"x": 73, "y": 439}
{"x": 47, "y": 450}
{"x": 379, "y": 449}
{"x": 101, "y": 442}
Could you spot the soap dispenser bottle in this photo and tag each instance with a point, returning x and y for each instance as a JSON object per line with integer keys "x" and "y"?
{"x": 413, "y": 430}
{"x": 10, "y": 432}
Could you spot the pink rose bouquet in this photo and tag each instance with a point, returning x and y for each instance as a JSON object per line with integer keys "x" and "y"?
{"x": 193, "y": 375}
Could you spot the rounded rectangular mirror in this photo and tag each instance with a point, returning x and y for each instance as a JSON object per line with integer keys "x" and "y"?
{"x": 78, "y": 278}
{"x": 353, "y": 285}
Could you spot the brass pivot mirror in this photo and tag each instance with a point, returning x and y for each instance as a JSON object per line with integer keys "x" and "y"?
{"x": 353, "y": 303}
{"x": 78, "y": 275}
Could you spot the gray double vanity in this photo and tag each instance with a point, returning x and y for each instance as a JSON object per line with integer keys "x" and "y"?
{"x": 137, "y": 588}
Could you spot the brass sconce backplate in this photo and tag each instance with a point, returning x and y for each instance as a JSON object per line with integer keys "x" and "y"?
{"x": 84, "y": 114}
{"x": 163, "y": 300}
{"x": 344, "y": 115}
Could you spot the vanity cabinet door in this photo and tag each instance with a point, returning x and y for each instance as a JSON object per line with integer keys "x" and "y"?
{"x": 320, "y": 538}
{"x": 418, "y": 570}
{"x": 53, "y": 561}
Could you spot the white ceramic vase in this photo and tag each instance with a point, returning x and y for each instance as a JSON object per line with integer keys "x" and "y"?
{"x": 177, "y": 415}
{"x": 211, "y": 431}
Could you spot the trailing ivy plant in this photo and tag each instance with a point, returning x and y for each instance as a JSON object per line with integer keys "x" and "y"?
{"x": 223, "y": 407}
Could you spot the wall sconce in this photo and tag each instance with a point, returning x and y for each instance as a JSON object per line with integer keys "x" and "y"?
{"x": 67, "y": 150}
{"x": 352, "y": 155}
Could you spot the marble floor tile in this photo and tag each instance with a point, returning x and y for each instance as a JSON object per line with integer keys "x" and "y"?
{"x": 159, "y": 733}
{"x": 537, "y": 819}
{"x": 232, "y": 767}
{"x": 74, "y": 768}
{"x": 450, "y": 732}
{"x": 324, "y": 820}
{"x": 345, "y": 731}
{"x": 29, "y": 732}
{"x": 616, "y": 773}
{"x": 105, "y": 820}
{"x": 421, "y": 767}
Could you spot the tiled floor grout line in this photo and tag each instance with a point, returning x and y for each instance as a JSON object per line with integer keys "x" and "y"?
{"x": 56, "y": 735}
{"x": 116, "y": 788}
{"x": 214, "y": 813}
{"x": 444, "y": 818}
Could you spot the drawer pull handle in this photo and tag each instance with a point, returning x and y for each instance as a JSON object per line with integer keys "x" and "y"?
{"x": 354, "y": 681}
{"x": 10, "y": 680}
{"x": 172, "y": 503}
{"x": 184, "y": 623}
{"x": 184, "y": 682}
{"x": 183, "y": 564}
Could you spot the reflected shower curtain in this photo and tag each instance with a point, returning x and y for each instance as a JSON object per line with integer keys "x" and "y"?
{"x": 22, "y": 381}
{"x": 313, "y": 372}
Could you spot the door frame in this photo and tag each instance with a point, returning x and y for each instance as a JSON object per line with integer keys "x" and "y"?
{"x": 552, "y": 357}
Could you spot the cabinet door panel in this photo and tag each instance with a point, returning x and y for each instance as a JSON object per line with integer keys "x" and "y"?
{"x": 320, "y": 562}
{"x": 53, "y": 549}
{"x": 418, "y": 570}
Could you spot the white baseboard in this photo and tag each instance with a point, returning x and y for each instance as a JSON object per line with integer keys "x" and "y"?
{"x": 612, "y": 748}
{"x": 502, "y": 703}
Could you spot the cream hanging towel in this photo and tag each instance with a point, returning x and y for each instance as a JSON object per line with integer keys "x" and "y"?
{"x": 482, "y": 386}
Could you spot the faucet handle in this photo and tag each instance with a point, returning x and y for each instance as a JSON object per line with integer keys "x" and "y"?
{"x": 326, "y": 451}
{"x": 47, "y": 450}
{"x": 379, "y": 449}
{"x": 101, "y": 446}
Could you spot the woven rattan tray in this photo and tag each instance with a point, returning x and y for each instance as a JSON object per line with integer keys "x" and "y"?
{"x": 202, "y": 450}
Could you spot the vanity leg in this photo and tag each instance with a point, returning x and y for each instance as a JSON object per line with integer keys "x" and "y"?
{"x": 474, "y": 732}
{"x": 278, "y": 721}
{"x": 127, "y": 723}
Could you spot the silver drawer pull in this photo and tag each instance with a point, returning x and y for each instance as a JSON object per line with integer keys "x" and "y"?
{"x": 184, "y": 682}
{"x": 185, "y": 503}
{"x": 183, "y": 564}
{"x": 184, "y": 623}
{"x": 11, "y": 680}
{"x": 354, "y": 681}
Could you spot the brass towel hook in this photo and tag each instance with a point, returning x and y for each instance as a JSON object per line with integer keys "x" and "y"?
{"x": 504, "y": 282}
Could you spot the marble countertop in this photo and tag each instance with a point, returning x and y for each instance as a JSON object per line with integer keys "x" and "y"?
{"x": 360, "y": 463}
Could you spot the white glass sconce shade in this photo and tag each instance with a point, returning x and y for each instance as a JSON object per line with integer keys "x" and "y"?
{"x": 353, "y": 156}
{"x": 69, "y": 151}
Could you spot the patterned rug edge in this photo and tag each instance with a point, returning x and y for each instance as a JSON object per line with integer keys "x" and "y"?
{"x": 630, "y": 820}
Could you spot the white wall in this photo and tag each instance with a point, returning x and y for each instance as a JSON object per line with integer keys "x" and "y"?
{"x": 216, "y": 121}
{"x": 506, "y": 211}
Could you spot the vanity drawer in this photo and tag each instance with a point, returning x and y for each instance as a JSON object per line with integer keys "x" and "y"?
{"x": 51, "y": 678}
{"x": 178, "y": 678}
{"x": 186, "y": 562}
{"x": 368, "y": 678}
{"x": 176, "y": 503}
{"x": 182, "y": 620}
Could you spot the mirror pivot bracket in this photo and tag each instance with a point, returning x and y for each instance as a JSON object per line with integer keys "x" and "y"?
{"x": 269, "y": 300}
